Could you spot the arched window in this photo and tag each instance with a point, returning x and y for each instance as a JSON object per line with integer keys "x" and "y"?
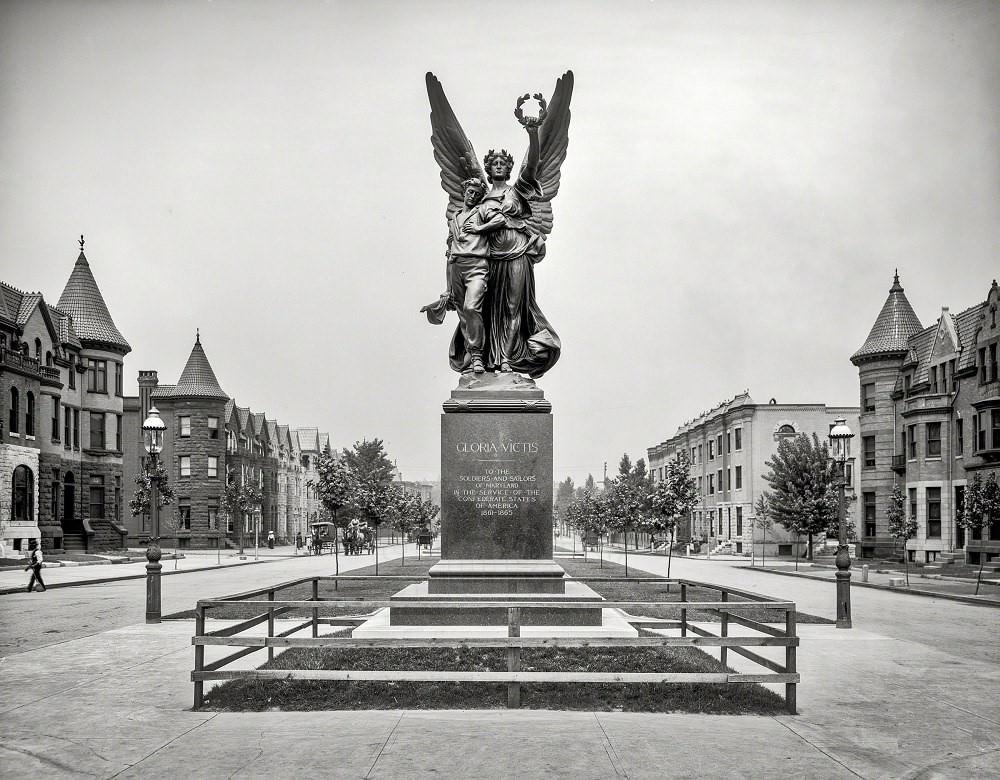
{"x": 29, "y": 414}
{"x": 15, "y": 412}
{"x": 48, "y": 358}
{"x": 786, "y": 430}
{"x": 38, "y": 349}
{"x": 23, "y": 498}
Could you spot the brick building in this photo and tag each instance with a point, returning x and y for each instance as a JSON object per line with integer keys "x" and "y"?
{"x": 210, "y": 439}
{"x": 930, "y": 419}
{"x": 61, "y": 370}
{"x": 729, "y": 447}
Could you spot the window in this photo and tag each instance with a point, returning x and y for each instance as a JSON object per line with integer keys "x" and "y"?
{"x": 868, "y": 397}
{"x": 213, "y": 517}
{"x": 97, "y": 376}
{"x": 913, "y": 503}
{"x": 76, "y": 429}
{"x": 54, "y": 490}
{"x": 701, "y": 453}
{"x": 739, "y": 477}
{"x": 13, "y": 425}
{"x": 993, "y": 362}
{"x": 23, "y": 495}
{"x": 213, "y": 427}
{"x": 213, "y": 466}
{"x": 711, "y": 484}
{"x": 729, "y": 479}
{"x": 868, "y": 451}
{"x": 118, "y": 499}
{"x": 184, "y": 423}
{"x": 718, "y": 479}
{"x": 97, "y": 439}
{"x": 849, "y": 475}
{"x": 959, "y": 438}
{"x": 29, "y": 414}
{"x": 118, "y": 432}
{"x": 933, "y": 439}
{"x": 718, "y": 444}
{"x": 933, "y": 513}
{"x": 869, "y": 508}
{"x": 954, "y": 381}
{"x": 739, "y": 521}
{"x": 72, "y": 372}
{"x": 911, "y": 438}
{"x": 67, "y": 427}
{"x": 184, "y": 516}
{"x": 934, "y": 379}
{"x": 118, "y": 379}
{"x": 906, "y": 384}
{"x": 738, "y": 435}
{"x": 720, "y": 521}
{"x": 729, "y": 442}
{"x": 185, "y": 465}
{"x": 995, "y": 425}
{"x": 711, "y": 450}
{"x": 982, "y": 365}
{"x": 701, "y": 486}
{"x": 96, "y": 485}
{"x": 55, "y": 419}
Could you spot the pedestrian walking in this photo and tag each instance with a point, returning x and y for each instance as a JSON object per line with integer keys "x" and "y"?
{"x": 270, "y": 540}
{"x": 35, "y": 565}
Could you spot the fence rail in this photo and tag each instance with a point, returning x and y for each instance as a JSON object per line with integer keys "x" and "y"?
{"x": 691, "y": 634}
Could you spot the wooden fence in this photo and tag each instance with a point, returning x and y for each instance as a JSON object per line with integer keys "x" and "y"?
{"x": 691, "y": 634}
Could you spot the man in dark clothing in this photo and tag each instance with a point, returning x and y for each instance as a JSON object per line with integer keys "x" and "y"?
{"x": 35, "y": 564}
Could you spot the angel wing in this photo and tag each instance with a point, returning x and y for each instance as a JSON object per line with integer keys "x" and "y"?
{"x": 452, "y": 149}
{"x": 553, "y": 139}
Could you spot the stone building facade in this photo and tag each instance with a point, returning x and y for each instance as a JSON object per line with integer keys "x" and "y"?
{"x": 61, "y": 407}
{"x": 729, "y": 447}
{"x": 930, "y": 420}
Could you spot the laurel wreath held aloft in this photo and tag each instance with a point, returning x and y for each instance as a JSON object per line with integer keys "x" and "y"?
{"x": 530, "y": 121}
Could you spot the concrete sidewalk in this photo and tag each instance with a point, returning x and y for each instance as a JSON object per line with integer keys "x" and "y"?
{"x": 874, "y": 702}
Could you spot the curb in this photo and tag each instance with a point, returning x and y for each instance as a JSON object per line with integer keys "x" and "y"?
{"x": 977, "y": 600}
{"x": 6, "y": 591}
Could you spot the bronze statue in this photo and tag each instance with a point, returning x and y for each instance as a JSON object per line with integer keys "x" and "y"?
{"x": 503, "y": 329}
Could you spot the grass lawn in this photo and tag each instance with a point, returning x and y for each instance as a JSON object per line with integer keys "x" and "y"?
{"x": 259, "y": 695}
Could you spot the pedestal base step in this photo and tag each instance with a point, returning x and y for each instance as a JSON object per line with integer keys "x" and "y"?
{"x": 409, "y": 607}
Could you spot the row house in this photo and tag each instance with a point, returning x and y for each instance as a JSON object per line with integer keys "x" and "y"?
{"x": 212, "y": 441}
{"x": 930, "y": 421}
{"x": 728, "y": 447}
{"x": 61, "y": 370}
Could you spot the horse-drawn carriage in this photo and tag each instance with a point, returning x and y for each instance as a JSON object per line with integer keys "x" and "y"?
{"x": 324, "y": 536}
{"x": 358, "y": 538}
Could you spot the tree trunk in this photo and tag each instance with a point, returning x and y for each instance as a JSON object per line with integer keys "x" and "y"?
{"x": 982, "y": 558}
{"x": 809, "y": 542}
{"x": 625, "y": 537}
{"x": 670, "y": 552}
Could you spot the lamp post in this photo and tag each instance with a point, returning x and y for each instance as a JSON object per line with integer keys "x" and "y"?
{"x": 840, "y": 451}
{"x": 152, "y": 435}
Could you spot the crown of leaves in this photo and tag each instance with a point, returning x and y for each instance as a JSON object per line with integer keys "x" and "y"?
{"x": 502, "y": 154}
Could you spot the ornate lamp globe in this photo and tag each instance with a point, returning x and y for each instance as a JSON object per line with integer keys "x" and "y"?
{"x": 840, "y": 441}
{"x": 152, "y": 432}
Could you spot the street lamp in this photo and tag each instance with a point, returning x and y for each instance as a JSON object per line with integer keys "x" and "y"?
{"x": 152, "y": 437}
{"x": 840, "y": 451}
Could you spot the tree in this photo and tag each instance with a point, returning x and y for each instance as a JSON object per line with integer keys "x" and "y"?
{"x": 673, "y": 498}
{"x": 372, "y": 473}
{"x": 335, "y": 487}
{"x": 565, "y": 493}
{"x": 803, "y": 497}
{"x": 139, "y": 503}
{"x": 588, "y": 515}
{"x": 239, "y": 498}
{"x": 623, "y": 507}
{"x": 901, "y": 527}
{"x": 982, "y": 505}
{"x": 762, "y": 519}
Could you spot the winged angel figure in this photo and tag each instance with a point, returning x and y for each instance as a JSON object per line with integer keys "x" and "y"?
{"x": 496, "y": 233}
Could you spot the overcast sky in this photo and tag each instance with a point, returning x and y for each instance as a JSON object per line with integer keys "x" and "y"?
{"x": 742, "y": 179}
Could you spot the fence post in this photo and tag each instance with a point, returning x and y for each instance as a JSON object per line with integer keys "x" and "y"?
{"x": 199, "y": 656}
{"x": 790, "y": 667}
{"x": 270, "y": 625}
{"x": 315, "y": 597}
{"x": 513, "y": 657}
{"x": 724, "y": 655}
{"x": 684, "y": 612}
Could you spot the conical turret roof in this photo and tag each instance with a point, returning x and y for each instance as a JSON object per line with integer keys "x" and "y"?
{"x": 82, "y": 300}
{"x": 198, "y": 379}
{"x": 893, "y": 328}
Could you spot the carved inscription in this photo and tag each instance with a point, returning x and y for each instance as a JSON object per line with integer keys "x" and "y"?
{"x": 497, "y": 492}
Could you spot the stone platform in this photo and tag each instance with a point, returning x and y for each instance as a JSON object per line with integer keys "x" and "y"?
{"x": 411, "y": 606}
{"x": 496, "y": 576}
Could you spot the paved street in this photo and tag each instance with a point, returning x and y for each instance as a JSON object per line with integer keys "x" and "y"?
{"x": 911, "y": 691}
